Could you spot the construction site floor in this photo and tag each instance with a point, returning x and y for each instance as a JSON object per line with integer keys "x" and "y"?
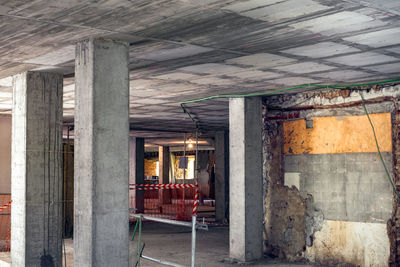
{"x": 173, "y": 244}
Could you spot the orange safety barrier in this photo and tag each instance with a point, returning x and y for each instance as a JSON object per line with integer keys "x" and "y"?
{"x": 5, "y": 222}
{"x": 169, "y": 201}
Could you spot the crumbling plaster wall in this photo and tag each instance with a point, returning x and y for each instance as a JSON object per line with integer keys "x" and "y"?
{"x": 300, "y": 223}
{"x": 285, "y": 208}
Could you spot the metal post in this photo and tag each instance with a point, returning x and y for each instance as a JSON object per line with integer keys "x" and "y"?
{"x": 184, "y": 157}
{"x": 194, "y": 226}
{"x": 186, "y": 161}
{"x": 196, "y": 162}
{"x": 194, "y": 217}
{"x": 193, "y": 241}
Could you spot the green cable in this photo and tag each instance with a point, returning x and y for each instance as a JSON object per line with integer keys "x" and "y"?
{"x": 196, "y": 122}
{"x": 377, "y": 146}
{"x": 309, "y": 86}
{"x": 283, "y": 90}
{"x": 134, "y": 230}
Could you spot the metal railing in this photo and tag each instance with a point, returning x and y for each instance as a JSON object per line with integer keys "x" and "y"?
{"x": 194, "y": 225}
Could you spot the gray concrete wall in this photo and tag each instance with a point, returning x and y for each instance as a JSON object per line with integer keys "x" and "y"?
{"x": 5, "y": 154}
{"x": 101, "y": 166}
{"x": 346, "y": 187}
{"x": 36, "y": 226}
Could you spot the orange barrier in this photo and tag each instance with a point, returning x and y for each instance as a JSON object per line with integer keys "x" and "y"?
{"x": 5, "y": 222}
{"x": 168, "y": 201}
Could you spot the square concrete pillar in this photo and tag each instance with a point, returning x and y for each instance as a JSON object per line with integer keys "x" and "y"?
{"x": 163, "y": 159}
{"x": 136, "y": 173}
{"x": 101, "y": 163}
{"x": 221, "y": 176}
{"x": 36, "y": 182}
{"x": 164, "y": 162}
{"x": 245, "y": 184}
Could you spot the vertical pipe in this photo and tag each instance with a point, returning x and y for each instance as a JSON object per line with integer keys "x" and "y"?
{"x": 196, "y": 162}
{"x": 194, "y": 216}
{"x": 184, "y": 157}
{"x": 67, "y": 158}
{"x": 186, "y": 161}
{"x": 193, "y": 241}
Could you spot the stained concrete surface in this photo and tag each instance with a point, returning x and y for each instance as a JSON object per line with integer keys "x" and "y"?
{"x": 356, "y": 243}
{"x": 245, "y": 179}
{"x": 101, "y": 155}
{"x": 252, "y": 46}
{"x": 345, "y": 186}
{"x": 36, "y": 177}
{"x": 172, "y": 244}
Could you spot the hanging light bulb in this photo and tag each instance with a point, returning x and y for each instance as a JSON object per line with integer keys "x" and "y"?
{"x": 190, "y": 144}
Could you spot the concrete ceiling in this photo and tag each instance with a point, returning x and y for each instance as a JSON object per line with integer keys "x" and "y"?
{"x": 187, "y": 49}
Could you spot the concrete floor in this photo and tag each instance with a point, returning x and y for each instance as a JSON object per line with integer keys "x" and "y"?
{"x": 173, "y": 244}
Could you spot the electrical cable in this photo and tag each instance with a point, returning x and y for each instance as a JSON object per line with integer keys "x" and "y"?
{"x": 196, "y": 121}
{"x": 183, "y": 103}
{"x": 377, "y": 146}
{"x": 283, "y": 90}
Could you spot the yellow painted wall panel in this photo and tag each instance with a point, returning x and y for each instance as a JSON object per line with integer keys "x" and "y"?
{"x": 348, "y": 134}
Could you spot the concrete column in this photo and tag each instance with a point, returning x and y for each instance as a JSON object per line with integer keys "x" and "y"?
{"x": 245, "y": 185}
{"x": 163, "y": 161}
{"x": 101, "y": 162}
{"x": 137, "y": 172}
{"x": 36, "y": 182}
{"x": 221, "y": 176}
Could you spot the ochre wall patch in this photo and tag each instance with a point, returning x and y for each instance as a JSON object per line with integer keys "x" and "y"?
{"x": 347, "y": 134}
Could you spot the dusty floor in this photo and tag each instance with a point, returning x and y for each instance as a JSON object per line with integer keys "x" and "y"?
{"x": 173, "y": 244}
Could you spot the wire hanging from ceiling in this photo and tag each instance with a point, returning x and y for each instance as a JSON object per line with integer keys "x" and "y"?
{"x": 184, "y": 104}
